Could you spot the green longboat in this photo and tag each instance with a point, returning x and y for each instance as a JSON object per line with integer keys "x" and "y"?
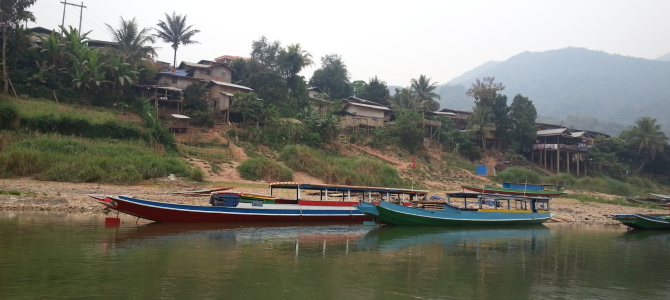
{"x": 512, "y": 191}
{"x": 487, "y": 210}
{"x": 643, "y": 221}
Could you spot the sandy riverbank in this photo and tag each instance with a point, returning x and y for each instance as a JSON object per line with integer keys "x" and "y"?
{"x": 72, "y": 198}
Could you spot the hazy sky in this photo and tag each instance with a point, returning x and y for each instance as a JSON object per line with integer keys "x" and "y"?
{"x": 394, "y": 40}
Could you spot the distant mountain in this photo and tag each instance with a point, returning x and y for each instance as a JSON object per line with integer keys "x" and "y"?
{"x": 576, "y": 82}
{"x": 665, "y": 57}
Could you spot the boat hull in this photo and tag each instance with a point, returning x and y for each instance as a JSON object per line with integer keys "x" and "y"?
{"x": 400, "y": 215}
{"x": 243, "y": 212}
{"x": 642, "y": 221}
{"x": 513, "y": 192}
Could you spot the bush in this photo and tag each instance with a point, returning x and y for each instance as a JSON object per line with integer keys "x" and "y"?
{"x": 518, "y": 175}
{"x": 197, "y": 174}
{"x": 264, "y": 169}
{"x": 8, "y": 114}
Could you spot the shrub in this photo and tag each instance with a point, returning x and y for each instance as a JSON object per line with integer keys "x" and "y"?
{"x": 264, "y": 169}
{"x": 197, "y": 174}
{"x": 518, "y": 175}
{"x": 8, "y": 114}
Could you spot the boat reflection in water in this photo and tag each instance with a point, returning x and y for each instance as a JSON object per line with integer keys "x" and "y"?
{"x": 226, "y": 236}
{"x": 392, "y": 238}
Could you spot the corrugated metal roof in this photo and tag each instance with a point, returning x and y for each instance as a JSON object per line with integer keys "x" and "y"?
{"x": 241, "y": 87}
{"x": 369, "y": 106}
{"x": 179, "y": 116}
{"x": 227, "y": 94}
{"x": 557, "y": 131}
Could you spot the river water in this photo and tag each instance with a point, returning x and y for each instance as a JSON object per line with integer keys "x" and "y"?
{"x": 61, "y": 256}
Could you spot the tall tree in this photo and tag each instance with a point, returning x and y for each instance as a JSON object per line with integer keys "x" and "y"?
{"x": 425, "y": 91}
{"x": 12, "y": 13}
{"x": 485, "y": 91}
{"x": 480, "y": 122}
{"x": 332, "y": 77}
{"x": 522, "y": 114}
{"x": 266, "y": 52}
{"x": 647, "y": 137}
{"x": 377, "y": 91}
{"x": 174, "y": 30}
{"x": 133, "y": 41}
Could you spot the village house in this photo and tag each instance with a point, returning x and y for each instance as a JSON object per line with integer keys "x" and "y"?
{"x": 563, "y": 149}
{"x": 221, "y": 94}
{"x": 215, "y": 76}
{"x": 357, "y": 112}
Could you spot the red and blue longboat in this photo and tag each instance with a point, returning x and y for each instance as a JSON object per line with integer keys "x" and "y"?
{"x": 307, "y": 203}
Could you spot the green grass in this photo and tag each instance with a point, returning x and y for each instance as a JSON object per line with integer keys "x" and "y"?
{"x": 66, "y": 159}
{"x": 3, "y": 192}
{"x": 340, "y": 170}
{"x": 32, "y": 109}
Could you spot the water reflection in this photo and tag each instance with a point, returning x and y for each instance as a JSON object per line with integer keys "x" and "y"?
{"x": 232, "y": 236}
{"x": 389, "y": 238}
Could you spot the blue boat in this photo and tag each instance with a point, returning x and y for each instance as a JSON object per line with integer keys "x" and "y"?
{"x": 487, "y": 210}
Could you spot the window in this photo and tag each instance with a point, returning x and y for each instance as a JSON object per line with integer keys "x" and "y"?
{"x": 207, "y": 72}
{"x": 174, "y": 80}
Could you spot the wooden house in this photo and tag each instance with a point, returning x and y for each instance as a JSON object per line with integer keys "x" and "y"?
{"x": 357, "y": 112}
{"x": 221, "y": 94}
{"x": 562, "y": 149}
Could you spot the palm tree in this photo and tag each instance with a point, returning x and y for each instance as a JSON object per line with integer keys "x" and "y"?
{"x": 306, "y": 56}
{"x": 480, "y": 122}
{"x": 647, "y": 137}
{"x": 424, "y": 90}
{"x": 132, "y": 41}
{"x": 174, "y": 30}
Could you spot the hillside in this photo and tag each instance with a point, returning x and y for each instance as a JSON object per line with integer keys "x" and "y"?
{"x": 577, "y": 82}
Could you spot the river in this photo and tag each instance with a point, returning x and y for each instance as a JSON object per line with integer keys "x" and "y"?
{"x": 71, "y": 256}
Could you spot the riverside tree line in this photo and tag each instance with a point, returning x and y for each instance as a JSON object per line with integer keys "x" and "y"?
{"x": 65, "y": 68}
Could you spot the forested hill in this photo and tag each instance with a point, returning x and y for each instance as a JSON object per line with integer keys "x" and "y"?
{"x": 576, "y": 82}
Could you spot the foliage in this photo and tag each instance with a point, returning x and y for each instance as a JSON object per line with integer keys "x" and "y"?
{"x": 132, "y": 41}
{"x": 196, "y": 174}
{"x": 8, "y": 114}
{"x": 12, "y": 14}
{"x": 647, "y": 137}
{"x": 485, "y": 91}
{"x": 481, "y": 123}
{"x": 194, "y": 98}
{"x": 264, "y": 169}
{"x": 519, "y": 175}
{"x": 340, "y": 170}
{"x": 522, "y": 133}
{"x": 460, "y": 143}
{"x": 324, "y": 126}
{"x": 248, "y": 105}
{"x": 406, "y": 130}
{"x": 560, "y": 179}
{"x": 173, "y": 30}
{"x": 157, "y": 131}
{"x": 73, "y": 160}
{"x": 425, "y": 92}
{"x": 377, "y": 91}
{"x": 333, "y": 77}
{"x": 605, "y": 185}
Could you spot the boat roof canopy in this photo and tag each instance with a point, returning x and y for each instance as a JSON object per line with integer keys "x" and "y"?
{"x": 352, "y": 188}
{"x": 496, "y": 196}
